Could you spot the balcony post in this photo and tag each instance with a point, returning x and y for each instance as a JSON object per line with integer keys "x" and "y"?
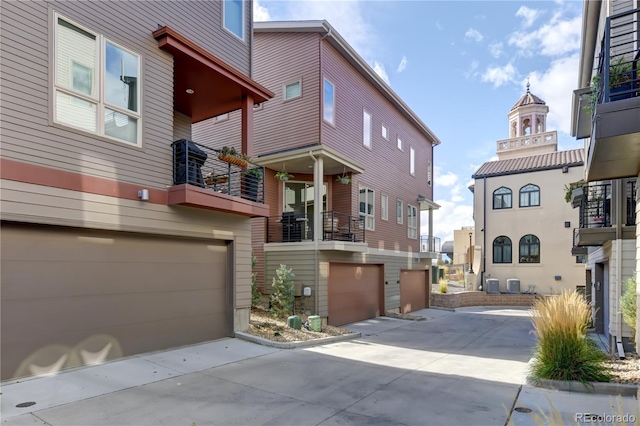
{"x": 430, "y": 230}
{"x": 318, "y": 172}
{"x": 247, "y": 125}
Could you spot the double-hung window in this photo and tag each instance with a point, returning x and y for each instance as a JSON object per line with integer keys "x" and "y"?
{"x": 234, "y": 17}
{"x": 367, "y": 207}
{"x": 412, "y": 221}
{"x": 97, "y": 84}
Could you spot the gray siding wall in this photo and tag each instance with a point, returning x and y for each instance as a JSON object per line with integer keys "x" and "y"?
{"x": 28, "y": 131}
{"x": 386, "y": 167}
{"x": 181, "y": 126}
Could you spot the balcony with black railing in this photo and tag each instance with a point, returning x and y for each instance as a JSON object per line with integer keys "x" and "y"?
{"x": 292, "y": 227}
{"x": 613, "y": 101}
{"x": 210, "y": 178}
{"x": 429, "y": 244}
{"x": 599, "y": 217}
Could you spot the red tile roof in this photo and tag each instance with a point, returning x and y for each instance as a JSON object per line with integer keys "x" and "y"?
{"x": 552, "y": 160}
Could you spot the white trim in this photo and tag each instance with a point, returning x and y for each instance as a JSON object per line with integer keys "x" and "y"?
{"x": 417, "y": 224}
{"x": 368, "y": 217}
{"x": 399, "y": 143}
{"x": 412, "y": 161}
{"x": 384, "y": 129}
{"x": 400, "y": 219}
{"x": 99, "y": 77}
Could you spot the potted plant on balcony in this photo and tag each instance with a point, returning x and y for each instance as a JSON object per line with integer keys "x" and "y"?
{"x": 345, "y": 179}
{"x": 573, "y": 193}
{"x": 620, "y": 78}
{"x": 212, "y": 179}
{"x": 231, "y": 156}
{"x": 283, "y": 176}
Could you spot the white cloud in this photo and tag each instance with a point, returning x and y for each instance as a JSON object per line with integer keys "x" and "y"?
{"x": 500, "y": 75}
{"x": 439, "y": 26}
{"x": 528, "y": 15}
{"x": 446, "y": 179}
{"x": 260, "y": 12}
{"x": 496, "y": 49}
{"x": 382, "y": 73}
{"x": 555, "y": 38}
{"x": 450, "y": 216}
{"x": 402, "y": 65}
{"x": 473, "y": 69}
{"x": 474, "y": 34}
{"x": 555, "y": 86}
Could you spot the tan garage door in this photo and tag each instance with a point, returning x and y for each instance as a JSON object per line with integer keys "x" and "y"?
{"x": 414, "y": 290}
{"x": 73, "y": 296}
{"x": 355, "y": 292}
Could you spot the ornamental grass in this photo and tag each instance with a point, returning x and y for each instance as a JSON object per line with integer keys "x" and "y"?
{"x": 564, "y": 352}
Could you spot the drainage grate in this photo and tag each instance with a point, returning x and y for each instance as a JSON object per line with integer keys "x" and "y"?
{"x": 523, "y": 409}
{"x": 25, "y": 404}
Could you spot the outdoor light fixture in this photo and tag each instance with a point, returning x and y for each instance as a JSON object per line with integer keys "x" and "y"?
{"x": 190, "y": 91}
{"x": 143, "y": 194}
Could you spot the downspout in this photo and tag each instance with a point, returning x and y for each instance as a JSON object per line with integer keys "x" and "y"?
{"x": 484, "y": 232}
{"x": 618, "y": 204}
{"x": 316, "y": 267}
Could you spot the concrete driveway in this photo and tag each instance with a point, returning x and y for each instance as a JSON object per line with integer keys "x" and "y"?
{"x": 461, "y": 368}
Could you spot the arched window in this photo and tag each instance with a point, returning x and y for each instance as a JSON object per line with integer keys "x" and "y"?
{"x": 529, "y": 249}
{"x": 502, "y": 198}
{"x": 502, "y": 250}
{"x": 529, "y": 196}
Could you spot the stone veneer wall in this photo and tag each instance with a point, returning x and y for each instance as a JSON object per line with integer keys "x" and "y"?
{"x": 480, "y": 298}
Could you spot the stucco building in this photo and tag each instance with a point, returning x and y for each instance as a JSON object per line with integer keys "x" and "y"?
{"x": 523, "y": 226}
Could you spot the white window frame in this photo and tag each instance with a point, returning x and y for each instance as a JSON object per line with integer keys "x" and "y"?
{"x": 412, "y": 161}
{"x": 385, "y": 132}
{"x": 369, "y": 219}
{"x": 400, "y": 210}
{"x": 243, "y": 18}
{"x": 284, "y": 90}
{"x": 384, "y": 207}
{"x": 99, "y": 80}
{"x": 429, "y": 173}
{"x": 332, "y": 119}
{"x": 367, "y": 121}
{"x": 412, "y": 222}
{"x": 400, "y": 143}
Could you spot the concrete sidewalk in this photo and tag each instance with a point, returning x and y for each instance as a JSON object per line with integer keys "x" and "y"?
{"x": 463, "y": 367}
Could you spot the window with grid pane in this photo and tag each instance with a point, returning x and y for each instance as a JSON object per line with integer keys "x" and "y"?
{"x": 502, "y": 198}
{"x": 412, "y": 221}
{"x": 367, "y": 211}
{"x": 94, "y": 92}
{"x": 529, "y": 249}
{"x": 502, "y": 250}
{"x": 529, "y": 196}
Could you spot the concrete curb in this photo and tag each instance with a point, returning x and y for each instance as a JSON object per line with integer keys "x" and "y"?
{"x": 601, "y": 388}
{"x": 292, "y": 345}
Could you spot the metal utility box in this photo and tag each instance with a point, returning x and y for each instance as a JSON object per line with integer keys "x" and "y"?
{"x": 492, "y": 286}
{"x": 513, "y": 285}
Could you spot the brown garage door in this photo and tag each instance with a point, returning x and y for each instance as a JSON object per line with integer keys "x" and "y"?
{"x": 414, "y": 290}
{"x": 73, "y": 296}
{"x": 355, "y": 292}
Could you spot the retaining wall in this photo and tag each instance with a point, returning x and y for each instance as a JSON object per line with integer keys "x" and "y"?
{"x": 480, "y": 298}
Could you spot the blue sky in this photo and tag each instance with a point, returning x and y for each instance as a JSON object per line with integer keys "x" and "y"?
{"x": 461, "y": 66}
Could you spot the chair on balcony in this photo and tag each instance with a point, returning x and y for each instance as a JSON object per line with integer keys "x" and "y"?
{"x": 330, "y": 227}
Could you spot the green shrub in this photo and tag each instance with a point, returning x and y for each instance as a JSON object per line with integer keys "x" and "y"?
{"x": 564, "y": 352}
{"x": 628, "y": 302}
{"x": 442, "y": 285}
{"x": 282, "y": 296}
{"x": 255, "y": 291}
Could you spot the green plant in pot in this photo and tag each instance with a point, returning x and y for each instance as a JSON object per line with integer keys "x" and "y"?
{"x": 620, "y": 79}
{"x": 252, "y": 178}
{"x": 284, "y": 176}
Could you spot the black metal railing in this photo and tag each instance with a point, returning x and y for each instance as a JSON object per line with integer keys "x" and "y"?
{"x": 199, "y": 165}
{"x": 595, "y": 209}
{"x": 429, "y": 243}
{"x": 617, "y": 72}
{"x": 338, "y": 226}
{"x": 291, "y": 227}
